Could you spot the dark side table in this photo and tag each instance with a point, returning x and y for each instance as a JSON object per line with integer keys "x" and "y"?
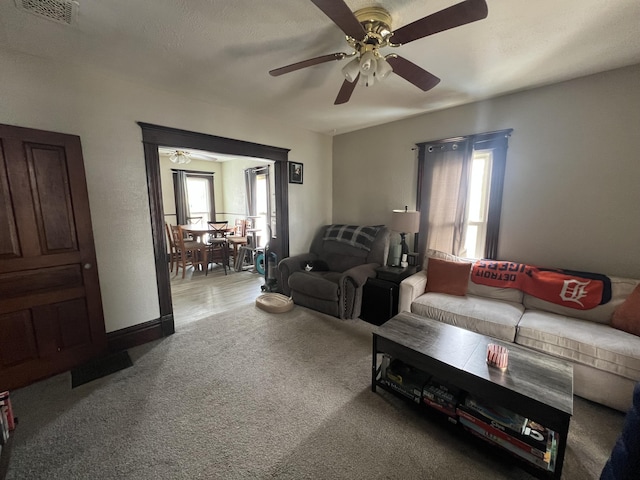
{"x": 380, "y": 294}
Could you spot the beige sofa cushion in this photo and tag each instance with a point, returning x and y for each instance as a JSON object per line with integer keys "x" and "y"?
{"x": 621, "y": 288}
{"x": 482, "y": 315}
{"x": 626, "y": 317}
{"x": 504, "y": 294}
{"x": 589, "y": 343}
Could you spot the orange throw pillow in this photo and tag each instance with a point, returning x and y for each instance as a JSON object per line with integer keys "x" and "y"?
{"x": 447, "y": 277}
{"x": 626, "y": 316}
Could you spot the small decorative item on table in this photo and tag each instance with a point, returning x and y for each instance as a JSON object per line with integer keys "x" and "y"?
{"x": 497, "y": 356}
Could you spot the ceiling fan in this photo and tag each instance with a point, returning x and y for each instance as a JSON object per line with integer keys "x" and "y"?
{"x": 369, "y": 29}
{"x": 181, "y": 156}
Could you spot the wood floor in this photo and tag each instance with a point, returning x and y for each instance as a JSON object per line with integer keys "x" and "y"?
{"x": 199, "y": 295}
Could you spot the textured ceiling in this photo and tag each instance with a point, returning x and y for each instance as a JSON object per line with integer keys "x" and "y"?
{"x": 220, "y": 51}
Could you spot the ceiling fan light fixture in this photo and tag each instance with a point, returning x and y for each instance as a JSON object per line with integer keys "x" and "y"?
{"x": 351, "y": 70}
{"x": 366, "y": 80}
{"x": 368, "y": 63}
{"x": 383, "y": 68}
{"x": 180, "y": 157}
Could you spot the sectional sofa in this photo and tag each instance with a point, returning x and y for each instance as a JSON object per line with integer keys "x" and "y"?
{"x": 606, "y": 359}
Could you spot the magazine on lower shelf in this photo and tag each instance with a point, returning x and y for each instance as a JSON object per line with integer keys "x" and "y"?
{"x": 497, "y": 440}
{"x": 507, "y": 419}
{"x": 524, "y": 429}
{"x": 541, "y": 453}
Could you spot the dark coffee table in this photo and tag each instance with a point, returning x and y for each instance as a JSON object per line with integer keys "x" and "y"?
{"x": 535, "y": 385}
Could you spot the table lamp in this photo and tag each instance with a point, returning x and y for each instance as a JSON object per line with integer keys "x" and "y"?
{"x": 403, "y": 222}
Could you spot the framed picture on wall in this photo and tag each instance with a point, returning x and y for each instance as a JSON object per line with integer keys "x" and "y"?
{"x": 295, "y": 172}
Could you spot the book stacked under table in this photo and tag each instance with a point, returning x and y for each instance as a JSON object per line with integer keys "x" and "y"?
{"x": 402, "y": 378}
{"x": 7, "y": 421}
{"x": 516, "y": 434}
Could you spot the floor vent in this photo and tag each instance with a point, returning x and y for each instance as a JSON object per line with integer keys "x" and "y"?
{"x": 61, "y": 11}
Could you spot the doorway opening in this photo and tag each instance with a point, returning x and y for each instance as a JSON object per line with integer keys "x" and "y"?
{"x": 155, "y": 136}
{"x": 234, "y": 194}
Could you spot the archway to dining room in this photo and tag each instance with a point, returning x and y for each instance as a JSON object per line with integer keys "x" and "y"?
{"x": 217, "y": 199}
{"x": 154, "y": 137}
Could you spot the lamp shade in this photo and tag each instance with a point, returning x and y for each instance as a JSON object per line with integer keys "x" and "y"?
{"x": 368, "y": 63}
{"x": 351, "y": 70}
{"x": 383, "y": 69}
{"x": 366, "y": 80}
{"x": 404, "y": 221}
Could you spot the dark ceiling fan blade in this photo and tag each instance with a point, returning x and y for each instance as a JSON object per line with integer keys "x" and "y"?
{"x": 413, "y": 73}
{"x": 307, "y": 63}
{"x": 454, "y": 16}
{"x": 345, "y": 92}
{"x": 342, "y": 16}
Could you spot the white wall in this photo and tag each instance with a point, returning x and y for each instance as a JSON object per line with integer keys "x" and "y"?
{"x": 103, "y": 109}
{"x": 572, "y": 185}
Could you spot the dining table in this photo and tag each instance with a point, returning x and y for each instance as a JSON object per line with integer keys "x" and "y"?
{"x": 199, "y": 230}
{"x": 199, "y": 233}
{"x": 196, "y": 231}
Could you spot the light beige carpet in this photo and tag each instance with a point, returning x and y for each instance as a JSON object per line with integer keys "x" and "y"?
{"x": 248, "y": 394}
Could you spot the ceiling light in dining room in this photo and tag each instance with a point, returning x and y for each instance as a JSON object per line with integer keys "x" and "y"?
{"x": 180, "y": 157}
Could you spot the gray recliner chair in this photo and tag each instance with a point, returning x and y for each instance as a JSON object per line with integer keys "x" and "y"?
{"x": 340, "y": 260}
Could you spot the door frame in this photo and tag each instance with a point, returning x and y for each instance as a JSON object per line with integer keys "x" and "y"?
{"x": 154, "y": 136}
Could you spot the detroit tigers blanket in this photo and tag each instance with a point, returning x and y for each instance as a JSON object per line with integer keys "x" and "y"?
{"x": 579, "y": 290}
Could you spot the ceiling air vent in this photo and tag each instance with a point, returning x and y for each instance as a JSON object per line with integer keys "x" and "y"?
{"x": 61, "y": 11}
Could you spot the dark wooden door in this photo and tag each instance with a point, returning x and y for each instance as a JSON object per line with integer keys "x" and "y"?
{"x": 51, "y": 316}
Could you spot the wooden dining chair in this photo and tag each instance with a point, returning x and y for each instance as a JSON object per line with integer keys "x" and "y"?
{"x": 189, "y": 252}
{"x": 239, "y": 237}
{"x": 219, "y": 251}
{"x": 218, "y": 229}
{"x": 240, "y": 227}
{"x": 173, "y": 251}
{"x": 218, "y": 244}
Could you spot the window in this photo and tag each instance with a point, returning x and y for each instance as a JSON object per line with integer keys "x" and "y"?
{"x": 460, "y": 184}
{"x": 258, "y": 183}
{"x": 199, "y": 195}
{"x": 194, "y": 197}
{"x": 262, "y": 199}
{"x": 477, "y": 204}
